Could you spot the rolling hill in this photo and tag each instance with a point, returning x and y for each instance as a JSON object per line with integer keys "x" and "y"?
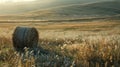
{"x": 18, "y": 8}
{"x": 97, "y": 10}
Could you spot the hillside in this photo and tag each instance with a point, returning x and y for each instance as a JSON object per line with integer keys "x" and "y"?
{"x": 70, "y": 12}
{"x": 18, "y": 8}
{"x": 94, "y": 10}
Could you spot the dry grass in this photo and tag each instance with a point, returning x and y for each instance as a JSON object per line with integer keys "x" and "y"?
{"x": 79, "y": 46}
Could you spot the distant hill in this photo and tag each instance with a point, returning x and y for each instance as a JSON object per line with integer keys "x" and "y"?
{"x": 18, "y": 8}
{"x": 98, "y": 10}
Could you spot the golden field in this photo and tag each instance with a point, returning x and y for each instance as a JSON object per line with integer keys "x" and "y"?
{"x": 65, "y": 44}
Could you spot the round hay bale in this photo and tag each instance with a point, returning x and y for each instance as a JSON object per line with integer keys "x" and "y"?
{"x": 25, "y": 37}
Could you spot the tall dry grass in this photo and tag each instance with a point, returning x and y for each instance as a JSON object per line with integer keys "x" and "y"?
{"x": 66, "y": 48}
{"x": 84, "y": 51}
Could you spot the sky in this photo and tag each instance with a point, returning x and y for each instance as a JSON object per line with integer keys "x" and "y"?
{"x": 12, "y": 1}
{"x": 16, "y": 1}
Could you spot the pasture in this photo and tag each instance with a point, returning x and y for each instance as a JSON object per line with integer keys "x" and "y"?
{"x": 64, "y": 44}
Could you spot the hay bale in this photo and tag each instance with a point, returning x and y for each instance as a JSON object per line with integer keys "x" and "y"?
{"x": 25, "y": 37}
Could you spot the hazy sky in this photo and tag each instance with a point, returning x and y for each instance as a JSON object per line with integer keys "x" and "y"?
{"x": 4, "y": 1}
{"x": 14, "y": 1}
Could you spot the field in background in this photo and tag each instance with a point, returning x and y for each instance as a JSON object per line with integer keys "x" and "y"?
{"x": 75, "y": 44}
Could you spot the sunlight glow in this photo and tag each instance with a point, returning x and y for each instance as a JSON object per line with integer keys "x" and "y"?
{"x": 14, "y": 1}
